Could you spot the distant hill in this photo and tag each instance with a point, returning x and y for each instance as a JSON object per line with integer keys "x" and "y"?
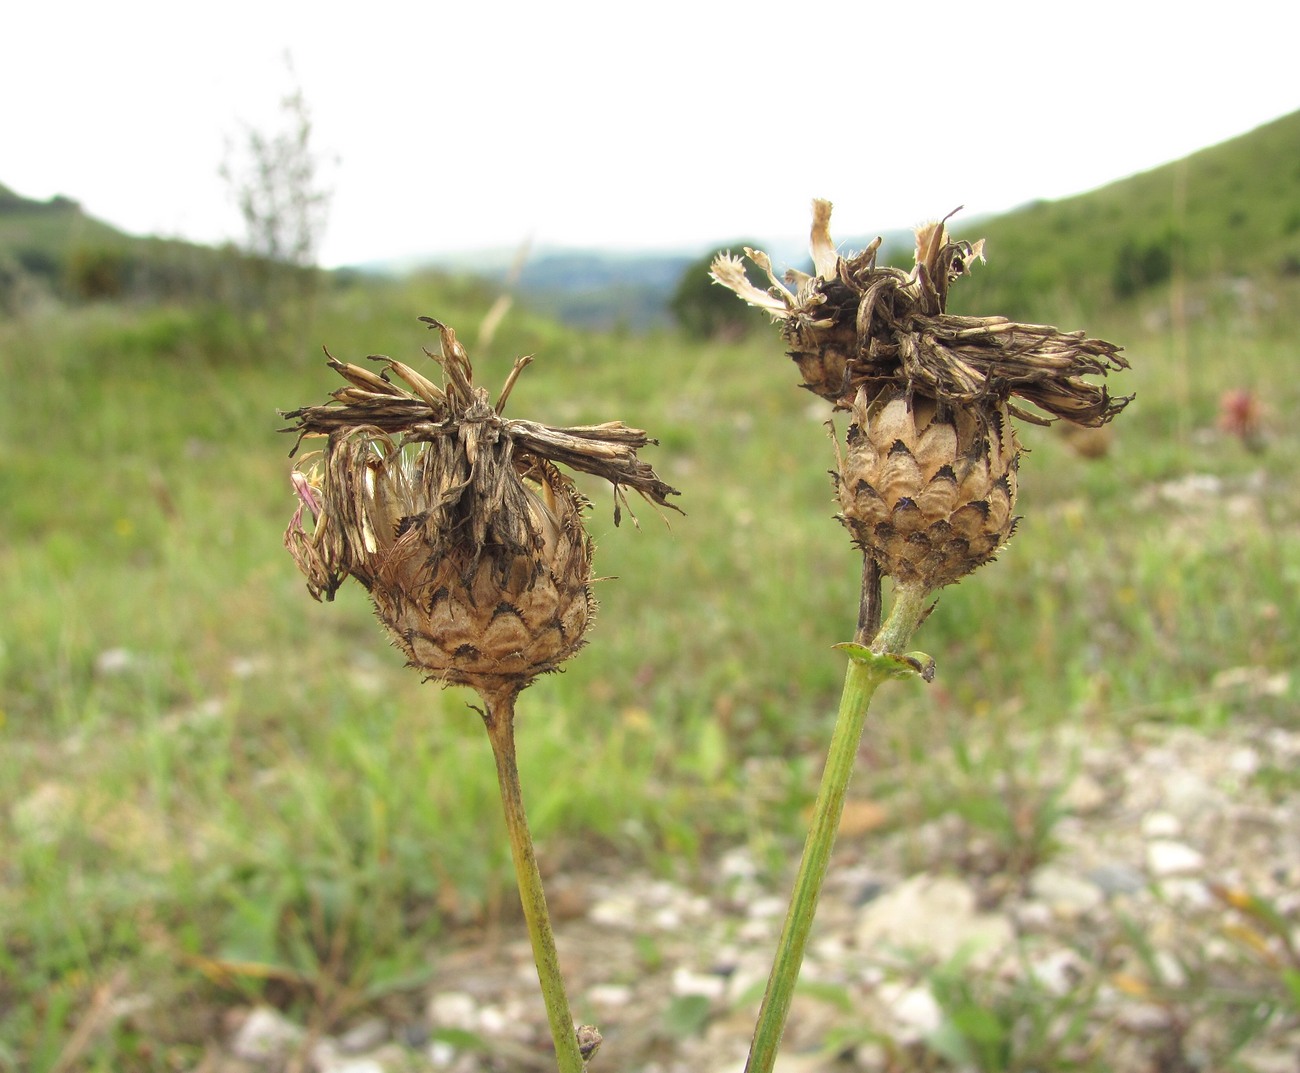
{"x": 631, "y": 289}
{"x": 55, "y": 247}
{"x": 583, "y": 288}
{"x": 1228, "y": 212}
{"x": 600, "y": 290}
{"x": 39, "y": 237}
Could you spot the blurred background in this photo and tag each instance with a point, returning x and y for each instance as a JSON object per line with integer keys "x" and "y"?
{"x": 218, "y": 796}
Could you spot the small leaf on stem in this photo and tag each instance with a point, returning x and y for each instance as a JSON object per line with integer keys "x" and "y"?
{"x": 888, "y": 665}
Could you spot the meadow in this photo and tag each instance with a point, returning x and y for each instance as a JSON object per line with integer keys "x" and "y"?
{"x": 214, "y": 790}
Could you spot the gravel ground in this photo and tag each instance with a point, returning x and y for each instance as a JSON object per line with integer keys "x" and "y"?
{"x": 1138, "y": 944}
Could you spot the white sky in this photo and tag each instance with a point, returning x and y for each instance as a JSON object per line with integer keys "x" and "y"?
{"x": 635, "y": 125}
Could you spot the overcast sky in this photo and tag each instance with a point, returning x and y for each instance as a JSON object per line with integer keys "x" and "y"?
{"x": 645, "y": 125}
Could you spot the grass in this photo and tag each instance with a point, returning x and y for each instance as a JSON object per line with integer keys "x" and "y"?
{"x": 215, "y": 789}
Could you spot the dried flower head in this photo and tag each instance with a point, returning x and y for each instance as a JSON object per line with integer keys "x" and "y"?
{"x": 855, "y": 324}
{"x": 927, "y": 478}
{"x": 457, "y": 520}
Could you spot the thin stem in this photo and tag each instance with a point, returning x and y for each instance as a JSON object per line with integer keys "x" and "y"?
{"x": 860, "y": 682}
{"x": 499, "y": 719}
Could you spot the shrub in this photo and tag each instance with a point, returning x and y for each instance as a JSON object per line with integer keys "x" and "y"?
{"x": 96, "y": 273}
{"x": 1142, "y": 264}
{"x": 705, "y": 311}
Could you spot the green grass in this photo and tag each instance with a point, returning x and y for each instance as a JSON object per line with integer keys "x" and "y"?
{"x": 214, "y": 788}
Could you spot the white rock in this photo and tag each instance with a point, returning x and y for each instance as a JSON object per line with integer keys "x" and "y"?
{"x": 913, "y": 1009}
{"x": 738, "y": 864}
{"x": 705, "y": 984}
{"x": 493, "y": 1020}
{"x": 1084, "y": 795}
{"x": 667, "y": 918}
{"x": 1193, "y": 487}
{"x": 1244, "y": 761}
{"x": 350, "y": 1065}
{"x": 1143, "y": 1017}
{"x": 803, "y": 1063}
{"x": 744, "y": 983}
{"x": 1115, "y": 877}
{"x": 1058, "y": 970}
{"x": 1187, "y": 893}
{"x": 1066, "y": 894}
{"x": 243, "y": 667}
{"x": 609, "y": 996}
{"x": 871, "y": 1057}
{"x": 766, "y": 908}
{"x": 616, "y": 911}
{"x": 1032, "y": 916}
{"x": 365, "y": 1036}
{"x": 828, "y": 949}
{"x": 1161, "y": 825}
{"x": 1282, "y": 743}
{"x": 113, "y": 661}
{"x": 325, "y": 1055}
{"x": 1168, "y": 858}
{"x": 935, "y": 914}
{"x": 698, "y": 907}
{"x": 1188, "y": 794}
{"x": 265, "y": 1035}
{"x": 1170, "y": 969}
{"x": 454, "y": 1009}
{"x": 758, "y": 931}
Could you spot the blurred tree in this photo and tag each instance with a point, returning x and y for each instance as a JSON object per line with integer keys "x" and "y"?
{"x": 1142, "y": 264}
{"x": 96, "y": 273}
{"x": 706, "y": 311}
{"x": 274, "y": 177}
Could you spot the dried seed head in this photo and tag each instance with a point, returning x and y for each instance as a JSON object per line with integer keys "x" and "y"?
{"x": 853, "y": 324}
{"x": 927, "y": 489}
{"x": 927, "y": 478}
{"x": 457, "y": 521}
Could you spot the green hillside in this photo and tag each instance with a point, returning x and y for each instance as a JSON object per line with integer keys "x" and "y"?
{"x": 55, "y": 249}
{"x": 43, "y": 237}
{"x": 1226, "y": 213}
{"x": 39, "y": 231}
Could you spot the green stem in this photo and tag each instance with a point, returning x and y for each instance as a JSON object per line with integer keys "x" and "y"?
{"x": 908, "y": 611}
{"x": 860, "y": 684}
{"x": 500, "y": 722}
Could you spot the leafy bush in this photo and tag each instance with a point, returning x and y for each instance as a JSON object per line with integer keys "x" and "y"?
{"x": 1141, "y": 264}
{"x": 96, "y": 273}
